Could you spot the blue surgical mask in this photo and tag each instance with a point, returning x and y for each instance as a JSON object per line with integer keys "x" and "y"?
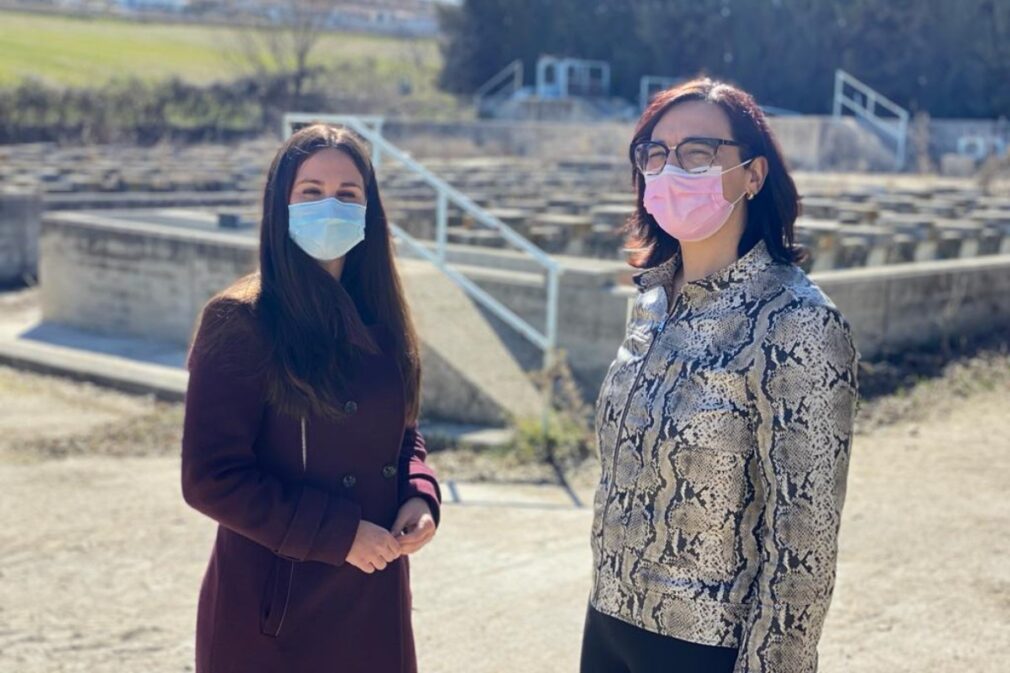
{"x": 326, "y": 229}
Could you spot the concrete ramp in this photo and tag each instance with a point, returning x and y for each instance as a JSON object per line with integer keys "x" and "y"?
{"x": 469, "y": 375}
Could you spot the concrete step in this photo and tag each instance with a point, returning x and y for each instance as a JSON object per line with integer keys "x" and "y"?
{"x": 104, "y": 369}
{"x": 168, "y": 382}
{"x": 469, "y": 375}
{"x": 441, "y": 435}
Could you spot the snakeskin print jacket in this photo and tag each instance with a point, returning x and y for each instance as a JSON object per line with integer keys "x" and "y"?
{"x": 724, "y": 427}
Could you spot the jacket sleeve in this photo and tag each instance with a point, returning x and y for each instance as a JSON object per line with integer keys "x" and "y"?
{"x": 221, "y": 476}
{"x": 806, "y": 395}
{"x": 419, "y": 478}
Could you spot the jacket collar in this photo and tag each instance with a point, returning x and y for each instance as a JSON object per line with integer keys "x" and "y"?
{"x": 756, "y": 260}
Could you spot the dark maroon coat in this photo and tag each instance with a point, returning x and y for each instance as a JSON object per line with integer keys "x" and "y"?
{"x": 277, "y": 595}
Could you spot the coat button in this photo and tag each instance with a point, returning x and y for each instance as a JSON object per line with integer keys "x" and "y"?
{"x": 351, "y": 407}
{"x": 389, "y": 471}
{"x": 350, "y": 480}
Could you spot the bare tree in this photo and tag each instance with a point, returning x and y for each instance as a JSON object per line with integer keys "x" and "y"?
{"x": 275, "y": 43}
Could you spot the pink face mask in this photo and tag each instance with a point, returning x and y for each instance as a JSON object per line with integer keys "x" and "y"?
{"x": 689, "y": 206}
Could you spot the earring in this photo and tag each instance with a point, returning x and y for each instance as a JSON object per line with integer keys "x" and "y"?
{"x": 750, "y": 196}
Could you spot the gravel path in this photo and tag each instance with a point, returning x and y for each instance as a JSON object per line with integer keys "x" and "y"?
{"x": 100, "y": 560}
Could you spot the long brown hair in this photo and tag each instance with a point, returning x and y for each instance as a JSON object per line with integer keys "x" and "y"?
{"x": 314, "y": 325}
{"x": 771, "y": 215}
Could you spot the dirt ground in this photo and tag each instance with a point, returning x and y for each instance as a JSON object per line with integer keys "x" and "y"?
{"x": 100, "y": 560}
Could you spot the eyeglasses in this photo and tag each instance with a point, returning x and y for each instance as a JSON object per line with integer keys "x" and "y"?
{"x": 692, "y": 154}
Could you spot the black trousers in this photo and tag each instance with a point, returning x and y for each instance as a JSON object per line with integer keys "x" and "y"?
{"x": 612, "y": 646}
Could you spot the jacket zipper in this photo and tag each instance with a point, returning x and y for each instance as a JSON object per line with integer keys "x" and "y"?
{"x": 624, "y": 414}
{"x": 291, "y": 572}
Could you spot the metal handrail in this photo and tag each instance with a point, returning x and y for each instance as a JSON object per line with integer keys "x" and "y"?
{"x": 445, "y": 193}
{"x": 513, "y": 70}
{"x": 870, "y": 94}
{"x": 867, "y": 111}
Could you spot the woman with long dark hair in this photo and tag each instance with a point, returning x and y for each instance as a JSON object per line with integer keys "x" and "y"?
{"x": 725, "y": 422}
{"x": 300, "y": 434}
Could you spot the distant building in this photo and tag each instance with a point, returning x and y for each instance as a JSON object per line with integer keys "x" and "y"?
{"x": 154, "y": 5}
{"x": 398, "y": 17}
{"x": 418, "y": 18}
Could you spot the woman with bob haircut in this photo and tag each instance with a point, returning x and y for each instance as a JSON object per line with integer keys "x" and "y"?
{"x": 300, "y": 436}
{"x": 725, "y": 422}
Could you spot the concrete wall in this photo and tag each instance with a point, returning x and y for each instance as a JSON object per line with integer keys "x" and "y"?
{"x": 20, "y": 216}
{"x": 116, "y": 277}
{"x": 809, "y": 142}
{"x": 891, "y": 308}
{"x": 550, "y": 140}
{"x": 110, "y": 200}
{"x": 944, "y": 134}
{"x": 906, "y": 306}
{"x": 112, "y": 276}
{"x": 592, "y": 314}
{"x": 150, "y": 280}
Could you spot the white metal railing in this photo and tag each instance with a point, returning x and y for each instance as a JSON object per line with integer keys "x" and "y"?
{"x": 445, "y": 193}
{"x": 571, "y": 78}
{"x": 501, "y": 86}
{"x": 864, "y": 105}
{"x": 650, "y": 85}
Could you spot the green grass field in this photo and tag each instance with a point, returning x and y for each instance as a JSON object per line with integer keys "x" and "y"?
{"x": 83, "y": 52}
